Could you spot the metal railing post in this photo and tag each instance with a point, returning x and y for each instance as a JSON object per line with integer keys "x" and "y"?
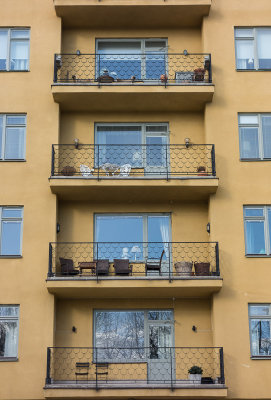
{"x": 96, "y": 369}
{"x": 210, "y": 69}
{"x": 213, "y": 160}
{"x": 98, "y": 161}
{"x": 166, "y": 146}
{"x": 221, "y": 362}
{"x": 50, "y": 268}
{"x": 55, "y": 69}
{"x": 171, "y": 370}
{"x": 48, "y": 379}
{"x": 217, "y": 259}
{"x": 53, "y": 161}
{"x": 97, "y": 258}
{"x": 169, "y": 264}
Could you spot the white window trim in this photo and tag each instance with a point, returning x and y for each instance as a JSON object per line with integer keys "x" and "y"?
{"x": 9, "y": 40}
{"x": 260, "y": 135}
{"x": 4, "y": 134}
{"x": 264, "y": 218}
{"x": 20, "y": 219}
{"x": 15, "y": 319}
{"x": 261, "y": 317}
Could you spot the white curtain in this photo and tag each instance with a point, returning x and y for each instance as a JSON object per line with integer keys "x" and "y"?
{"x": 245, "y": 54}
{"x": 249, "y": 142}
{"x": 255, "y": 240}
{"x": 3, "y": 49}
{"x": 19, "y": 55}
{"x": 164, "y": 229}
{"x": 14, "y": 146}
{"x": 8, "y": 338}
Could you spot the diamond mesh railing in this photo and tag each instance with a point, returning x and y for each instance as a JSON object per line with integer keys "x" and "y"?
{"x": 101, "y": 161}
{"x": 165, "y": 367}
{"x": 97, "y": 260}
{"x": 149, "y": 68}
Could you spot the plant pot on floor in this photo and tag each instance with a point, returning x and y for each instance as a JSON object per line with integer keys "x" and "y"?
{"x": 202, "y": 269}
{"x": 195, "y": 378}
{"x": 183, "y": 268}
{"x": 202, "y": 171}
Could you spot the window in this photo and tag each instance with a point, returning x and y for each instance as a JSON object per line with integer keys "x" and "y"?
{"x": 11, "y": 231}
{"x": 253, "y": 50}
{"x": 134, "y": 236}
{"x": 122, "y": 58}
{"x": 257, "y": 230}
{"x": 12, "y": 136}
{"x": 255, "y": 136}
{"x": 125, "y": 335}
{"x": 9, "y": 323}
{"x": 14, "y": 49}
{"x": 260, "y": 329}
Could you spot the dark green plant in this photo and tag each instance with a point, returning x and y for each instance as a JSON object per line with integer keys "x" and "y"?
{"x": 195, "y": 370}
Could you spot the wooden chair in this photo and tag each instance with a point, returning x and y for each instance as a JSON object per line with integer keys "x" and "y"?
{"x": 154, "y": 265}
{"x": 82, "y": 369}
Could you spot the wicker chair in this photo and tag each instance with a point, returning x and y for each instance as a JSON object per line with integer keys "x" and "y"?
{"x": 102, "y": 267}
{"x": 122, "y": 267}
{"x": 67, "y": 267}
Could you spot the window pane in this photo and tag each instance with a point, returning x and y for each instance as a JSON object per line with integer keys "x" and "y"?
{"x": 16, "y": 119}
{"x": 264, "y": 48}
{"x": 244, "y": 33}
{"x": 20, "y": 33}
{"x": 266, "y": 126}
{"x": 156, "y": 151}
{"x": 158, "y": 231}
{"x": 8, "y": 338}
{"x": 19, "y": 55}
{"x": 255, "y": 241}
{"x": 3, "y": 49}
{"x": 14, "y": 148}
{"x": 260, "y": 337}
{"x": 249, "y": 142}
{"x": 12, "y": 212}
{"x": 254, "y": 212}
{"x": 245, "y": 54}
{"x": 11, "y": 238}
{"x": 259, "y": 310}
{"x": 1, "y": 133}
{"x": 160, "y": 315}
{"x": 248, "y": 119}
{"x": 156, "y": 128}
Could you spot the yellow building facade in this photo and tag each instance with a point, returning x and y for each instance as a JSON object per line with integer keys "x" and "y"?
{"x": 135, "y": 204}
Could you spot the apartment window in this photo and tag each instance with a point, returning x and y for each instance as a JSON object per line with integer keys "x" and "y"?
{"x": 260, "y": 329}
{"x": 257, "y": 230}
{"x": 14, "y": 49}
{"x": 253, "y": 50}
{"x": 255, "y": 136}
{"x": 11, "y": 231}
{"x": 9, "y": 324}
{"x": 12, "y": 136}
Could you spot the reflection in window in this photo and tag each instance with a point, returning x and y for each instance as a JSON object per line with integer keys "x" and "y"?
{"x": 260, "y": 333}
{"x": 11, "y": 230}
{"x": 14, "y": 49}
{"x": 257, "y": 230}
{"x": 255, "y": 136}
{"x": 9, "y": 330}
{"x": 12, "y": 136}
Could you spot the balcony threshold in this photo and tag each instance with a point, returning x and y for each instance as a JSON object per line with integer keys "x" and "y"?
{"x": 139, "y": 178}
{"x": 181, "y": 384}
{"x": 133, "y": 278}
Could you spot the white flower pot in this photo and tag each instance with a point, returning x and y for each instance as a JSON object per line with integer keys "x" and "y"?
{"x": 195, "y": 378}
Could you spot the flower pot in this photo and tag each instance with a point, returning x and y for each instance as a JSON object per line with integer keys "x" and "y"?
{"x": 202, "y": 171}
{"x": 195, "y": 378}
{"x": 199, "y": 74}
{"x": 183, "y": 268}
{"x": 163, "y": 78}
{"x": 68, "y": 171}
{"x": 202, "y": 269}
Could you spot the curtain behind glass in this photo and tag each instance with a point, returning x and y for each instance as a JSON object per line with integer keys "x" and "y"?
{"x": 11, "y": 238}
{"x": 266, "y": 127}
{"x": 264, "y": 48}
{"x": 8, "y": 338}
{"x": 14, "y": 146}
{"x": 3, "y": 49}
{"x": 249, "y": 142}
{"x": 245, "y": 54}
{"x": 1, "y": 134}
{"x": 255, "y": 241}
{"x": 19, "y": 55}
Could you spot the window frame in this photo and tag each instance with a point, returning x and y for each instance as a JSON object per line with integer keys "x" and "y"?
{"x": 259, "y": 125}
{"x": 18, "y": 219}
{"x": 9, "y": 41}
{"x": 15, "y": 319}
{"x": 261, "y": 317}
{"x": 267, "y": 234}
{"x": 253, "y": 38}
{"x": 4, "y": 134}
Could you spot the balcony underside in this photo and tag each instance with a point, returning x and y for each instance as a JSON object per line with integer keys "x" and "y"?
{"x": 131, "y": 13}
{"x": 153, "y": 392}
{"x": 132, "y": 98}
{"x": 133, "y": 288}
{"x": 133, "y": 190}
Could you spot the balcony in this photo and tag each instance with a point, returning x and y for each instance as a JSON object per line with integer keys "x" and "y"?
{"x": 131, "y": 13}
{"x": 133, "y": 82}
{"x": 142, "y": 371}
{"x": 95, "y": 170}
{"x": 93, "y": 270}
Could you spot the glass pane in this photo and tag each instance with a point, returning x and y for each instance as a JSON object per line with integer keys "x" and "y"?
{"x": 255, "y": 241}
{"x": 19, "y": 55}
{"x": 254, "y": 212}
{"x": 155, "y": 65}
{"x": 245, "y": 54}
{"x": 3, "y": 49}
{"x": 248, "y": 119}
{"x": 240, "y": 32}
{"x": 12, "y": 212}
{"x": 14, "y": 148}
{"x": 156, "y": 128}
{"x": 160, "y": 341}
{"x": 16, "y": 119}
{"x": 156, "y": 151}
{"x": 260, "y": 337}
{"x": 264, "y": 48}
{"x": 119, "y": 335}
{"x": 155, "y": 45}
{"x": 160, "y": 315}
{"x": 8, "y": 338}
{"x": 9, "y": 311}
{"x": 259, "y": 310}
{"x": 1, "y": 133}
{"x": 20, "y": 33}
{"x": 266, "y": 126}
{"x": 11, "y": 238}
{"x": 158, "y": 231}
{"x": 249, "y": 142}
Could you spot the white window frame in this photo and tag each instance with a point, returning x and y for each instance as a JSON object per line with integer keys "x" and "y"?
{"x": 261, "y": 317}
{"x": 9, "y": 40}
{"x": 253, "y": 38}
{"x": 13, "y": 319}
{"x": 264, "y": 218}
{"x": 18, "y": 219}
{"x": 4, "y": 133}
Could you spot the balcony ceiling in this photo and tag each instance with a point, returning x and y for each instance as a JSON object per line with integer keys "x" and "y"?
{"x": 132, "y": 13}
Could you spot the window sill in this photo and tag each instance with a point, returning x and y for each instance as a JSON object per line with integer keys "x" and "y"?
{"x": 9, "y": 359}
{"x": 254, "y": 159}
{"x": 253, "y": 70}
{"x": 14, "y": 160}
{"x": 17, "y": 70}
{"x": 258, "y": 255}
{"x": 261, "y": 357}
{"x": 6, "y": 256}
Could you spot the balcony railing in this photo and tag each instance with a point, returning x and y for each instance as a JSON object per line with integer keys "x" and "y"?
{"x": 137, "y": 367}
{"x": 129, "y": 69}
{"x": 97, "y": 260}
{"x": 133, "y": 161}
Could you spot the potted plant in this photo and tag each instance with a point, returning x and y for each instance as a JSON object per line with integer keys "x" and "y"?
{"x": 199, "y": 74}
{"x": 184, "y": 268}
{"x": 195, "y": 374}
{"x": 163, "y": 78}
